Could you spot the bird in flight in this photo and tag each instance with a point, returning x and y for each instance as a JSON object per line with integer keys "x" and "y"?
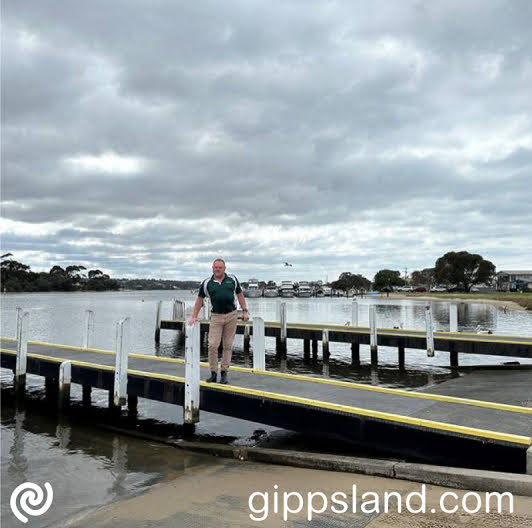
{"x": 287, "y": 265}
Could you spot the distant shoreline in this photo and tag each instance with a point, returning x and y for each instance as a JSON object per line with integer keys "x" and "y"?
{"x": 512, "y": 301}
{"x": 481, "y": 299}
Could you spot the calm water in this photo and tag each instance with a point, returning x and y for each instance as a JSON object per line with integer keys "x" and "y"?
{"x": 59, "y": 318}
{"x": 41, "y": 447}
{"x": 86, "y": 467}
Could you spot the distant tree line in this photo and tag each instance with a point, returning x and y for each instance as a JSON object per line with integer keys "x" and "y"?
{"x": 18, "y": 277}
{"x": 455, "y": 271}
{"x": 157, "y": 284}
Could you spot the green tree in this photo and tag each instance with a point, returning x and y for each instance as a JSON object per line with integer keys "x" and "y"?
{"x": 386, "y": 280}
{"x": 423, "y": 278}
{"x": 14, "y": 275}
{"x": 94, "y": 274}
{"x": 60, "y": 280}
{"x": 348, "y": 281}
{"x": 74, "y": 272}
{"x": 99, "y": 281}
{"x": 463, "y": 270}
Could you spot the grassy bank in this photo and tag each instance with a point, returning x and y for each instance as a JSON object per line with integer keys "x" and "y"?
{"x": 522, "y": 299}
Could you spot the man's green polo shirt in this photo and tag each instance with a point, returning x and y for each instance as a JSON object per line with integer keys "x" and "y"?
{"x": 222, "y": 294}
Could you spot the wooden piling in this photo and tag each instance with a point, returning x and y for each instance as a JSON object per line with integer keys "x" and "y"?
{"x": 191, "y": 407}
{"x": 314, "y": 350}
{"x": 179, "y": 312}
{"x": 22, "y": 353}
{"x": 355, "y": 355}
{"x": 132, "y": 403}
{"x": 65, "y": 377}
{"x": 283, "y": 333}
{"x": 86, "y": 395}
{"x": 111, "y": 403}
{"x": 429, "y": 325}
{"x": 374, "y": 357}
{"x": 325, "y": 352}
{"x": 247, "y": 340}
{"x": 354, "y": 314}
{"x": 121, "y": 362}
{"x": 453, "y": 317}
{"x": 306, "y": 350}
{"x": 453, "y": 356}
{"x": 158, "y": 322}
{"x": 89, "y": 329}
{"x": 259, "y": 350}
{"x": 373, "y": 336}
{"x": 401, "y": 354}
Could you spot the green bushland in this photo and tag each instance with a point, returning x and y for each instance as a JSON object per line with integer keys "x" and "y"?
{"x": 523, "y": 299}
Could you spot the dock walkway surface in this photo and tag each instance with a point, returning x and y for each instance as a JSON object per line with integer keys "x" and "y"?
{"x": 433, "y": 427}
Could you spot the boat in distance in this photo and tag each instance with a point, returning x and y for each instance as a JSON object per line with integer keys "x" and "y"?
{"x": 253, "y": 290}
{"x": 271, "y": 290}
{"x": 286, "y": 289}
{"x": 304, "y": 289}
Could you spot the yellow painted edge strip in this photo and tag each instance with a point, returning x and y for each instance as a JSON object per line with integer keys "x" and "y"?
{"x": 338, "y": 383}
{"x": 398, "y": 332}
{"x": 61, "y": 360}
{"x": 382, "y": 415}
{"x": 13, "y": 339}
{"x": 70, "y": 347}
{"x": 451, "y": 336}
{"x": 469, "y": 431}
{"x": 485, "y": 341}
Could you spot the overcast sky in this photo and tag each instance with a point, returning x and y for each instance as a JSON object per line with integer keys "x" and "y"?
{"x": 146, "y": 138}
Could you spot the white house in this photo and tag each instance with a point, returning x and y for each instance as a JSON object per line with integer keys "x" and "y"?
{"x": 511, "y": 280}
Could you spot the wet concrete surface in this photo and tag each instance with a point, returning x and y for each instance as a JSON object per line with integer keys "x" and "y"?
{"x": 220, "y": 496}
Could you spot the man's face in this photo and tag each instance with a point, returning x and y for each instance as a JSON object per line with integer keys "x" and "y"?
{"x": 218, "y": 269}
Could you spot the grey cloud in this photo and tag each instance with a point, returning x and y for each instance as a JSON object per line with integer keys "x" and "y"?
{"x": 283, "y": 118}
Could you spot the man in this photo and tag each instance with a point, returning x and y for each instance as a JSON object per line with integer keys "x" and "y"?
{"x": 222, "y": 290}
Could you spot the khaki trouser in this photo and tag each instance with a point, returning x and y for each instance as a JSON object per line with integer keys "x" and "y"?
{"x": 222, "y": 326}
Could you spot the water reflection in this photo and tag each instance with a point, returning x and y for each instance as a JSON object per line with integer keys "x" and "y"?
{"x": 18, "y": 464}
{"x": 86, "y": 467}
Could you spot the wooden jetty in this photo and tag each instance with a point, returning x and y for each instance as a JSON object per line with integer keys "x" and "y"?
{"x": 454, "y": 343}
{"x": 430, "y": 427}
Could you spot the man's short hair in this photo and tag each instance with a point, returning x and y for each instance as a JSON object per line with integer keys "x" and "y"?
{"x": 219, "y": 260}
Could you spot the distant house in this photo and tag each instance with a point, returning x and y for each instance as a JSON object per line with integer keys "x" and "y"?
{"x": 513, "y": 280}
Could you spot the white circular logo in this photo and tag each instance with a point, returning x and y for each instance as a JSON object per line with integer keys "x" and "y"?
{"x": 31, "y": 496}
